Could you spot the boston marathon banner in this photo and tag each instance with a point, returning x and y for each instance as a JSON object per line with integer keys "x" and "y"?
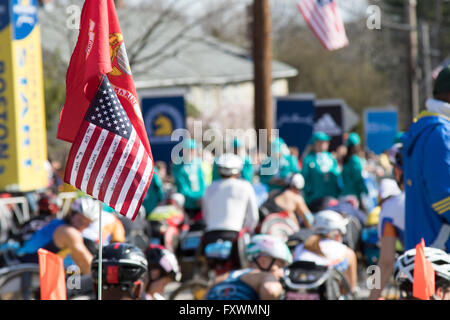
{"x": 381, "y": 128}
{"x": 163, "y": 114}
{"x": 295, "y": 119}
{"x": 23, "y": 145}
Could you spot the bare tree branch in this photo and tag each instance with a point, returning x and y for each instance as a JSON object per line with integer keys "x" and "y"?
{"x": 170, "y": 42}
{"x": 141, "y": 42}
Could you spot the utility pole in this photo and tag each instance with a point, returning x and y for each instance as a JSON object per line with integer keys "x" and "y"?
{"x": 426, "y": 53}
{"x": 262, "y": 61}
{"x": 411, "y": 13}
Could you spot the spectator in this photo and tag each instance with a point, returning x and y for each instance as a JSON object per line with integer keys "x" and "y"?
{"x": 352, "y": 171}
{"x": 155, "y": 193}
{"x": 320, "y": 170}
{"x": 189, "y": 178}
{"x": 275, "y": 168}
{"x": 426, "y": 156}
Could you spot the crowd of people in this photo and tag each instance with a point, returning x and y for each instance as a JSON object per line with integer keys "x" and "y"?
{"x": 329, "y": 196}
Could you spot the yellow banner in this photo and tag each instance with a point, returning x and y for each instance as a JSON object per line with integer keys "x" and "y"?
{"x": 23, "y": 141}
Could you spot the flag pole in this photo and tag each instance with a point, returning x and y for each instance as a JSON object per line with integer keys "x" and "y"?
{"x": 100, "y": 251}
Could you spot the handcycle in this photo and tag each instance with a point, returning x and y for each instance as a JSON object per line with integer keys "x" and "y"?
{"x": 278, "y": 224}
{"x": 208, "y": 264}
{"x": 21, "y": 281}
{"x": 305, "y": 280}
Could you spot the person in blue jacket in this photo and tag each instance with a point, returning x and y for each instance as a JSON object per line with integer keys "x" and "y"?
{"x": 188, "y": 178}
{"x": 426, "y": 154}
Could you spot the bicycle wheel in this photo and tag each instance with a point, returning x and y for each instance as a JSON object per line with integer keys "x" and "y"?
{"x": 20, "y": 282}
{"x": 337, "y": 287}
{"x": 191, "y": 290}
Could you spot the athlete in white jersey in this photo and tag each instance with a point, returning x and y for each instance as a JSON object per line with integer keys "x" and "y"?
{"x": 229, "y": 205}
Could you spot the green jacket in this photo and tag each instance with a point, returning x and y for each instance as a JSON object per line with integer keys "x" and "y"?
{"x": 293, "y": 163}
{"x": 285, "y": 166}
{"x": 352, "y": 178}
{"x": 321, "y": 173}
{"x": 190, "y": 182}
{"x": 247, "y": 170}
{"x": 155, "y": 193}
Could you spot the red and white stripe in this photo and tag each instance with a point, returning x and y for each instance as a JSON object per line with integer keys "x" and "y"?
{"x": 111, "y": 168}
{"x": 325, "y": 22}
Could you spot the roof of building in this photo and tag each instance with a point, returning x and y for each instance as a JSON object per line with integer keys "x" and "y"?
{"x": 177, "y": 54}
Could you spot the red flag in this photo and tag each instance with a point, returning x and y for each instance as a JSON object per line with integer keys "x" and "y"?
{"x": 423, "y": 285}
{"x": 324, "y": 20}
{"x": 51, "y": 275}
{"x": 110, "y": 157}
{"x": 100, "y": 49}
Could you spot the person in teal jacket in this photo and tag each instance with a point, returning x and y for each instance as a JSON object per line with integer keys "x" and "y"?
{"x": 247, "y": 169}
{"x": 320, "y": 170}
{"x": 155, "y": 193}
{"x": 189, "y": 179}
{"x": 277, "y": 166}
{"x": 352, "y": 169}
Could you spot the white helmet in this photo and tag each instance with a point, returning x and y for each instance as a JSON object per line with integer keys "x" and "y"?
{"x": 295, "y": 180}
{"x": 388, "y": 188}
{"x": 404, "y": 266}
{"x": 328, "y": 220}
{"x": 229, "y": 164}
{"x": 268, "y": 245}
{"x": 88, "y": 207}
{"x": 178, "y": 198}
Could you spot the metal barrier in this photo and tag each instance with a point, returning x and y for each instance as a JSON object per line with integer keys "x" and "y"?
{"x": 10, "y": 207}
{"x": 22, "y": 214}
{"x": 66, "y": 199}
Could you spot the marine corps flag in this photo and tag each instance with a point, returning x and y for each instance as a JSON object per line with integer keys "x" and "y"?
{"x": 110, "y": 157}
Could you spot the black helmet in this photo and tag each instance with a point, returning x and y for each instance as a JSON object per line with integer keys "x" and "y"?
{"x": 159, "y": 257}
{"x": 122, "y": 265}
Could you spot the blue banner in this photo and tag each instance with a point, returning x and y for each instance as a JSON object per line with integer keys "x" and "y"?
{"x": 329, "y": 119}
{"x": 295, "y": 120}
{"x": 162, "y": 116}
{"x": 381, "y": 128}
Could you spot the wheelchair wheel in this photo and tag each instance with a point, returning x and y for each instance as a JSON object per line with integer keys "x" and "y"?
{"x": 20, "y": 282}
{"x": 191, "y": 290}
{"x": 337, "y": 287}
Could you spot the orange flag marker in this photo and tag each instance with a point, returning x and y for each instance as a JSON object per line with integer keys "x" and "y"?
{"x": 52, "y": 276}
{"x": 423, "y": 286}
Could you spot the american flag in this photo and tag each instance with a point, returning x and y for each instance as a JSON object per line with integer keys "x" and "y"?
{"x": 108, "y": 160}
{"x": 324, "y": 20}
